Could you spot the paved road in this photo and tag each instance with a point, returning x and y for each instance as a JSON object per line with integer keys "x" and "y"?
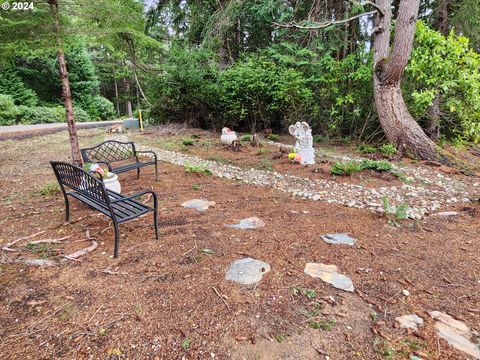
{"x": 24, "y": 131}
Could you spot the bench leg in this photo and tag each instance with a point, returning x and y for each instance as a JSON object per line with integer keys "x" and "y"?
{"x": 67, "y": 210}
{"x": 156, "y": 171}
{"x": 117, "y": 240}
{"x": 138, "y": 173}
{"x": 155, "y": 223}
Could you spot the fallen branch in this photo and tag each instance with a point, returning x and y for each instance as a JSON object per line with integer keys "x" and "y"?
{"x": 7, "y": 246}
{"x": 4, "y": 259}
{"x": 50, "y": 241}
{"x": 84, "y": 251}
{"x": 221, "y": 297}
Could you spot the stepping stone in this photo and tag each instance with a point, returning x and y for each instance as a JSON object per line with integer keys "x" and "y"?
{"x": 343, "y": 239}
{"x": 247, "y": 271}
{"x": 198, "y": 204}
{"x": 248, "y": 223}
{"x": 329, "y": 274}
{"x": 456, "y": 333}
{"x": 411, "y": 321}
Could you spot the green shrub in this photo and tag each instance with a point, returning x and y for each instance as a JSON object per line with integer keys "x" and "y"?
{"x": 273, "y": 137}
{"x": 103, "y": 108}
{"x": 80, "y": 114}
{"x": 377, "y": 165}
{"x": 246, "y": 138}
{"x": 399, "y": 211}
{"x": 187, "y": 142}
{"x": 8, "y": 110}
{"x": 388, "y": 149}
{"x": 343, "y": 168}
{"x": 319, "y": 138}
{"x": 196, "y": 169}
{"x": 367, "y": 149}
{"x": 41, "y": 114}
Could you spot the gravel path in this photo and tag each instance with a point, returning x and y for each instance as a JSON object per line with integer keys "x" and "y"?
{"x": 431, "y": 192}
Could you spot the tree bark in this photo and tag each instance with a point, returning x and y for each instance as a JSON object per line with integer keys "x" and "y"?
{"x": 399, "y": 126}
{"x": 117, "y": 102}
{"x": 66, "y": 93}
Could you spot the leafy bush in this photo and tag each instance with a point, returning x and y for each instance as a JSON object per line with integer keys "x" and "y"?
{"x": 344, "y": 168}
{"x": 41, "y": 114}
{"x": 246, "y": 138}
{"x": 376, "y": 165}
{"x": 399, "y": 211}
{"x": 388, "y": 149}
{"x": 196, "y": 170}
{"x": 103, "y": 108}
{"x": 445, "y": 67}
{"x": 367, "y": 149}
{"x": 80, "y": 114}
{"x": 187, "y": 142}
{"x": 273, "y": 137}
{"x": 8, "y": 110}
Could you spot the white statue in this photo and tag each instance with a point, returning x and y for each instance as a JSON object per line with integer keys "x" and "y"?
{"x": 304, "y": 142}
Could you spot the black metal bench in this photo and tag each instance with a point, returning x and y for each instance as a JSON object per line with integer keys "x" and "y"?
{"x": 112, "y": 151}
{"x": 91, "y": 191}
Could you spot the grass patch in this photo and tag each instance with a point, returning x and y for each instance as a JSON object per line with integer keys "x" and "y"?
{"x": 246, "y": 138}
{"x": 196, "y": 170}
{"x": 43, "y": 250}
{"x": 324, "y": 324}
{"x": 186, "y": 344}
{"x": 219, "y": 160}
{"x": 264, "y": 150}
{"x": 47, "y": 189}
{"x": 280, "y": 338}
{"x": 265, "y": 164}
{"x": 196, "y": 186}
{"x": 188, "y": 142}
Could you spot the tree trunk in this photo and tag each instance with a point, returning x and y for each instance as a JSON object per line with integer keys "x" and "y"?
{"x": 440, "y": 16}
{"x": 433, "y": 119}
{"x": 117, "y": 102}
{"x": 128, "y": 102}
{"x": 399, "y": 126}
{"x": 66, "y": 93}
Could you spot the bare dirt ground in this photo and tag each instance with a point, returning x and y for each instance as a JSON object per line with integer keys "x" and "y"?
{"x": 168, "y": 299}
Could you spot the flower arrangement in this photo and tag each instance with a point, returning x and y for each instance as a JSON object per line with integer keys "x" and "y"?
{"x": 98, "y": 169}
{"x": 296, "y": 158}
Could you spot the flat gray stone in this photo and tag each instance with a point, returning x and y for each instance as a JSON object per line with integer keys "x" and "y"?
{"x": 411, "y": 321}
{"x": 247, "y": 271}
{"x": 248, "y": 223}
{"x": 456, "y": 333}
{"x": 329, "y": 274}
{"x": 342, "y": 239}
{"x": 198, "y": 204}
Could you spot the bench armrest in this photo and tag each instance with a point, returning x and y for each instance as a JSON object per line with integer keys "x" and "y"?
{"x": 148, "y": 152}
{"x": 137, "y": 195}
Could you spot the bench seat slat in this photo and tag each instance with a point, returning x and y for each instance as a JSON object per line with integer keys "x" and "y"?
{"x": 128, "y": 167}
{"x": 123, "y": 211}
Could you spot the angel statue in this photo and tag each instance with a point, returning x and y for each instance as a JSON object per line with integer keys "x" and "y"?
{"x": 304, "y": 142}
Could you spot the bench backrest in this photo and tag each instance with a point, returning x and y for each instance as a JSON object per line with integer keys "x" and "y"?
{"x": 80, "y": 181}
{"x": 109, "y": 151}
